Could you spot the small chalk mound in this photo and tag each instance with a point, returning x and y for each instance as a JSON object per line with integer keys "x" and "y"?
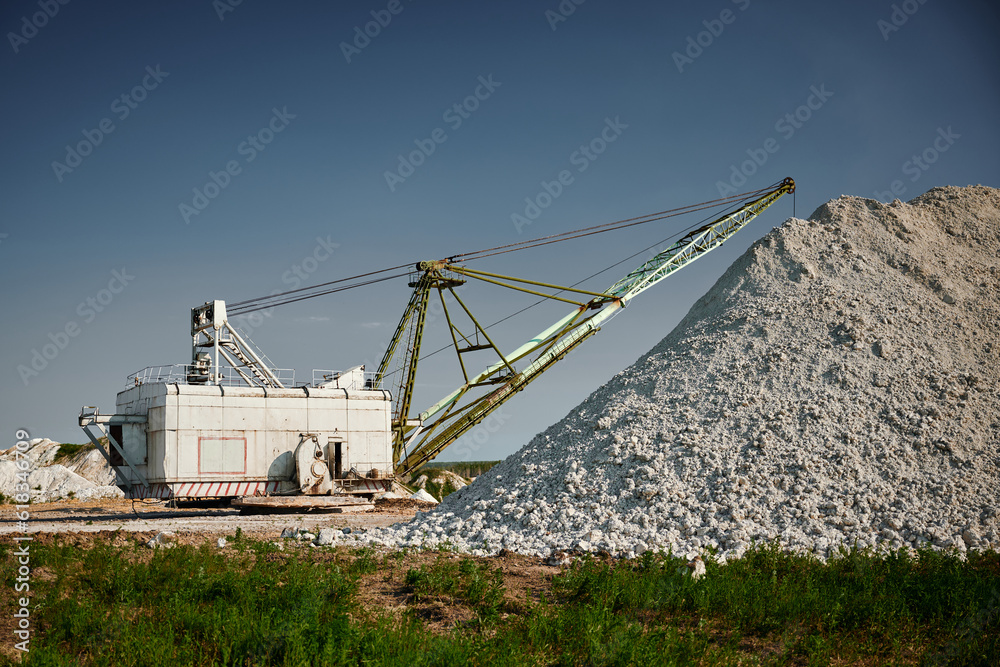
{"x": 81, "y": 478}
{"x": 421, "y": 494}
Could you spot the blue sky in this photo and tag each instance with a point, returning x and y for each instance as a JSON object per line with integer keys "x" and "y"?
{"x": 120, "y": 116}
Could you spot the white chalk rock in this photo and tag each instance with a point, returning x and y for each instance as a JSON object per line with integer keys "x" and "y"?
{"x": 421, "y": 494}
{"x": 164, "y": 539}
{"x": 328, "y": 536}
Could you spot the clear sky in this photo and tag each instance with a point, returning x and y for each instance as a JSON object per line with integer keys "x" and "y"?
{"x": 158, "y": 155}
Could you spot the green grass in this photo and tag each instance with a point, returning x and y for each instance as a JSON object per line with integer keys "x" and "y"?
{"x": 470, "y": 581}
{"x": 67, "y": 451}
{"x": 816, "y": 609}
{"x": 467, "y": 469}
{"x": 439, "y": 491}
{"x": 254, "y": 604}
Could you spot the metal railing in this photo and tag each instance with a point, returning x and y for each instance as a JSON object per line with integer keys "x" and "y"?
{"x": 353, "y": 380}
{"x": 189, "y": 374}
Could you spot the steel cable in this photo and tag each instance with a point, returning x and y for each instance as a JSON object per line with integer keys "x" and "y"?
{"x": 311, "y": 291}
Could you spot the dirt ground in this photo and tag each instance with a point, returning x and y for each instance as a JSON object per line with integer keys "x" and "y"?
{"x": 200, "y": 522}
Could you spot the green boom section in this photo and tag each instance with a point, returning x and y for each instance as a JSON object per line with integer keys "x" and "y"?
{"x": 695, "y": 244}
{"x": 410, "y": 328}
{"x": 444, "y": 422}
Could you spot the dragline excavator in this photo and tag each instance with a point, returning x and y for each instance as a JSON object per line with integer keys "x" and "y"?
{"x": 230, "y": 424}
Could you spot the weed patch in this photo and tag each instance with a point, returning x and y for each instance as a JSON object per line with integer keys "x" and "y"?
{"x": 67, "y": 451}
{"x": 119, "y": 603}
{"x": 469, "y": 581}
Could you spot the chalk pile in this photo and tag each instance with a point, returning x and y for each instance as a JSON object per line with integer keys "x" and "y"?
{"x": 837, "y": 386}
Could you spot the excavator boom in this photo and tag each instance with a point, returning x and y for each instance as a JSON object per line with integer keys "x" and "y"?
{"x": 419, "y": 439}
